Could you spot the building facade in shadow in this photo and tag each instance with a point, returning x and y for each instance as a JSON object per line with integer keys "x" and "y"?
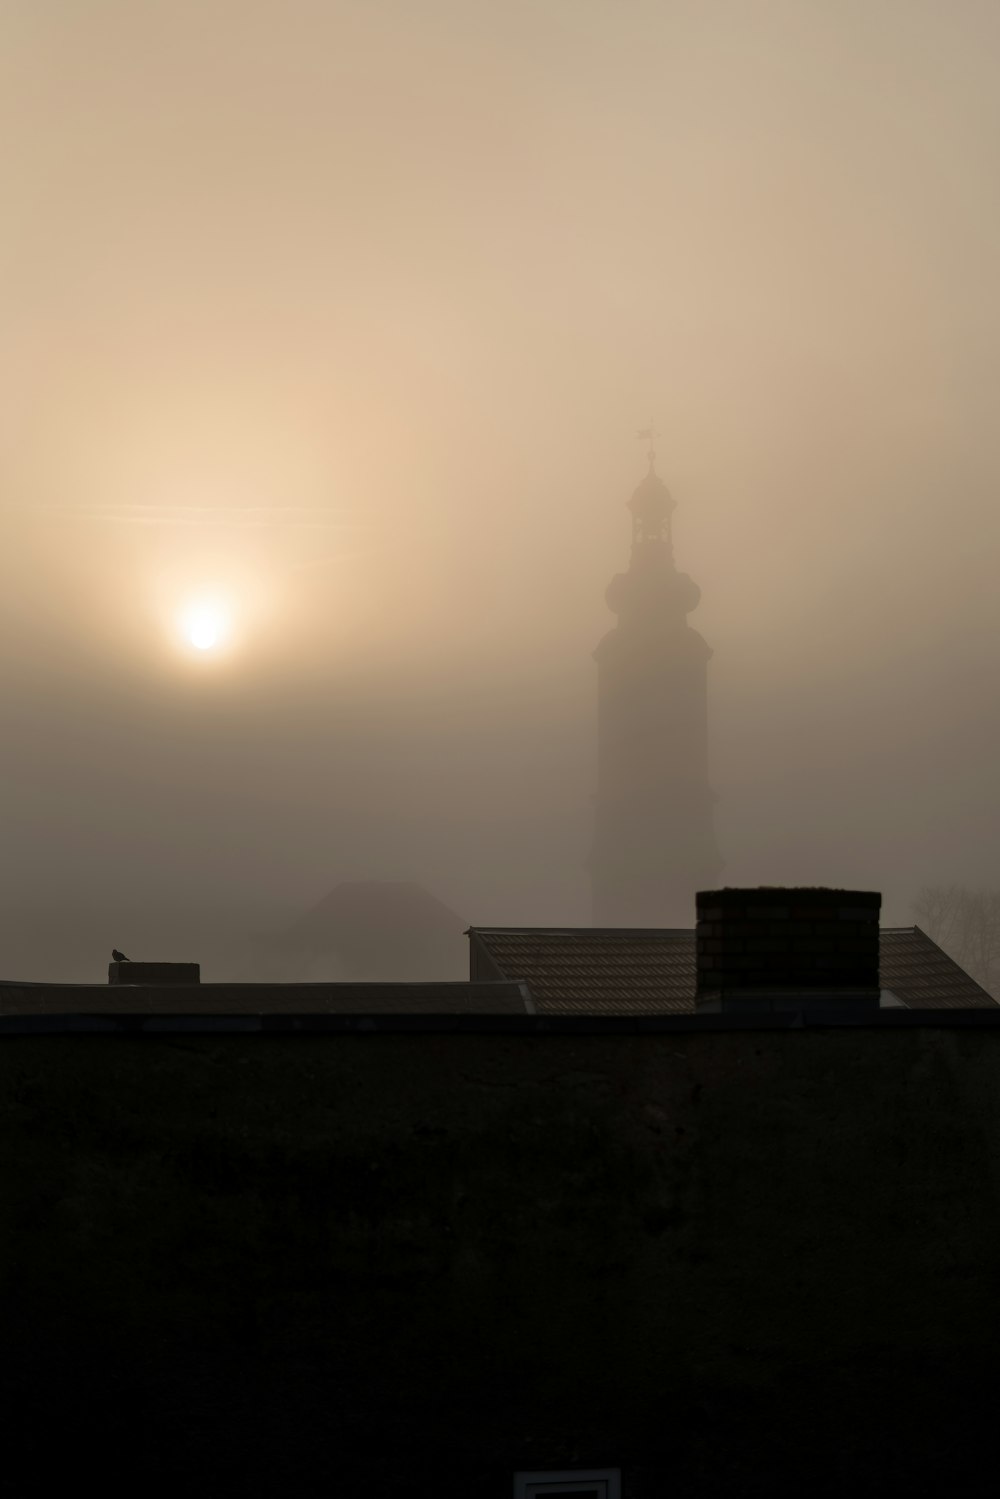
{"x": 654, "y": 839}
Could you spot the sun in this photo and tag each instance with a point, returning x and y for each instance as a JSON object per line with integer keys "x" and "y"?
{"x": 204, "y": 626}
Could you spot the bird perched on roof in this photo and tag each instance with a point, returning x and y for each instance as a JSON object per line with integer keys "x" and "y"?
{"x": 119, "y": 957}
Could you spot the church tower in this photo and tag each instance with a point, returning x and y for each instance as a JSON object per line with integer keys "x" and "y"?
{"x": 654, "y": 842}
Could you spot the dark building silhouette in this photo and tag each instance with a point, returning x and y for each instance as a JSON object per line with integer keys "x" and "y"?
{"x": 438, "y": 1239}
{"x": 654, "y": 841}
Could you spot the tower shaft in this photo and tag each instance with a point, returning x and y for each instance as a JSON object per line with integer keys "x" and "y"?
{"x": 654, "y": 840}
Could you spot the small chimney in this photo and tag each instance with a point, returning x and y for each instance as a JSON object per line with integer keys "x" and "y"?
{"x": 787, "y": 949}
{"x": 154, "y": 973}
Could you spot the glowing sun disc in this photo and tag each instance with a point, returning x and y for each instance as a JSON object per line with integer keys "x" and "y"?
{"x": 205, "y": 627}
{"x": 204, "y": 635}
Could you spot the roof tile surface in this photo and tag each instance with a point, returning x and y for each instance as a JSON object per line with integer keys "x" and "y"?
{"x": 620, "y": 971}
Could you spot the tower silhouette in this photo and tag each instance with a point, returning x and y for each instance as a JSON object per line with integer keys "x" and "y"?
{"x": 654, "y": 839}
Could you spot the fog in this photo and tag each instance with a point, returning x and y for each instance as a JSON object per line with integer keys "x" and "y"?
{"x": 346, "y": 316}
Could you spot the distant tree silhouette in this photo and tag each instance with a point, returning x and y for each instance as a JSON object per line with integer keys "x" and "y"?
{"x": 966, "y": 923}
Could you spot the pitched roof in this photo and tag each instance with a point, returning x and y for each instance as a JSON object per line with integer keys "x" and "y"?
{"x": 620, "y": 970}
{"x": 923, "y": 975}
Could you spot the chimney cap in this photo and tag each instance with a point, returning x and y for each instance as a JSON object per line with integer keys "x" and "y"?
{"x": 762, "y": 892}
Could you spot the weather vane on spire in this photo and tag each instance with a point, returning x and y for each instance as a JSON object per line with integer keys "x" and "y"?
{"x": 649, "y": 434}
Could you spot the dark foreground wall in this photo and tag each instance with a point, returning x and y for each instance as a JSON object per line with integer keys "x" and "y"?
{"x": 755, "y": 1262}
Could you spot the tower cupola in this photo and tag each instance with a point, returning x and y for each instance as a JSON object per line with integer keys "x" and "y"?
{"x": 651, "y": 505}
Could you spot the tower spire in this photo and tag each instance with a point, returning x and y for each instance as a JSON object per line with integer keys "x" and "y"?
{"x": 649, "y": 434}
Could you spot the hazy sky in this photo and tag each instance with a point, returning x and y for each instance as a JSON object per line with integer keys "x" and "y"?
{"x": 346, "y": 315}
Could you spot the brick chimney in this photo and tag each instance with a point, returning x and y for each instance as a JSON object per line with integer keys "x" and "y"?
{"x": 787, "y": 949}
